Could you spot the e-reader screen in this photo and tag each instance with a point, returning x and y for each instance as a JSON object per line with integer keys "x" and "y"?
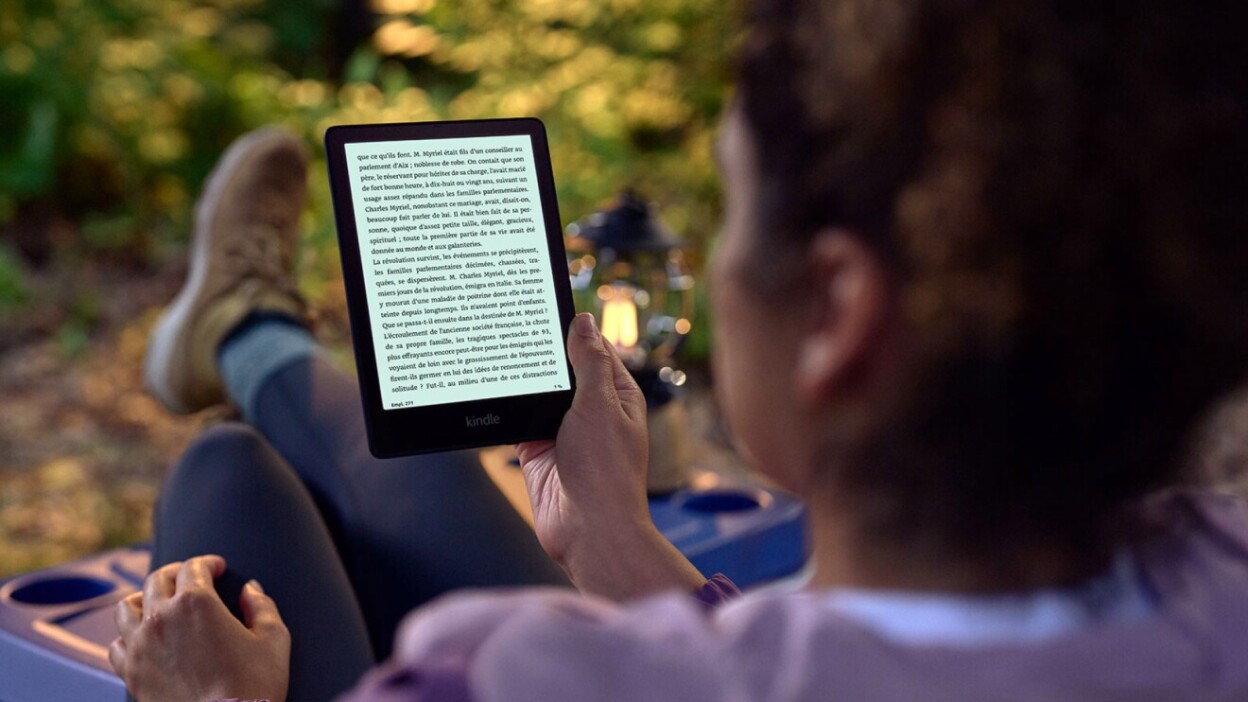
{"x": 459, "y": 271}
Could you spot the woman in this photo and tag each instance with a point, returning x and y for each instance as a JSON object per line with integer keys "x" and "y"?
{"x": 982, "y": 272}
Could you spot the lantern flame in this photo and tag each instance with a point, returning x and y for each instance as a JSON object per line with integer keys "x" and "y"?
{"x": 619, "y": 319}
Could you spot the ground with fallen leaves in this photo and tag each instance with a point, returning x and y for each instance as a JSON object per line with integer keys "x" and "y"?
{"x": 82, "y": 447}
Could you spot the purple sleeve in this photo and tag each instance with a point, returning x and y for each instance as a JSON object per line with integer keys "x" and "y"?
{"x": 718, "y": 590}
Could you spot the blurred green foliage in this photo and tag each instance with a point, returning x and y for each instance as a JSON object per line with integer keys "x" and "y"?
{"x": 630, "y": 89}
{"x": 13, "y": 290}
{"x": 114, "y": 110}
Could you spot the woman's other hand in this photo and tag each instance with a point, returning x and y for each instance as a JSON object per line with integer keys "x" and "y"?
{"x": 179, "y": 643}
{"x": 588, "y": 487}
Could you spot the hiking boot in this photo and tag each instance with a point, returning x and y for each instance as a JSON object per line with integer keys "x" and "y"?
{"x": 242, "y": 261}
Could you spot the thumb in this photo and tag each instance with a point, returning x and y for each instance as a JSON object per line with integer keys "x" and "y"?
{"x": 259, "y": 610}
{"x": 600, "y": 374}
{"x": 587, "y": 350}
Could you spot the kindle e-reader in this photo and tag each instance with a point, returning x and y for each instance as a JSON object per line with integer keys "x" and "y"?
{"x": 456, "y": 280}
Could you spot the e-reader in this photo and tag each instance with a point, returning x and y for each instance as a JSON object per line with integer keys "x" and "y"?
{"x": 456, "y": 280}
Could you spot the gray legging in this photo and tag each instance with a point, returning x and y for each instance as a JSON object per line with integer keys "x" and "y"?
{"x": 345, "y": 543}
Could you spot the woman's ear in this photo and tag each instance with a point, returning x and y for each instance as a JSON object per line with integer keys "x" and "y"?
{"x": 851, "y": 314}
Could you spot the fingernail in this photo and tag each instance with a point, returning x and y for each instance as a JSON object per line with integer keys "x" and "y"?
{"x": 585, "y": 325}
{"x": 256, "y": 585}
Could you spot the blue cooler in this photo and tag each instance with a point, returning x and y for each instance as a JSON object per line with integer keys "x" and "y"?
{"x": 56, "y": 624}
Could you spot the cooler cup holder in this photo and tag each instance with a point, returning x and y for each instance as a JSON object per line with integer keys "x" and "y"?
{"x": 54, "y": 590}
{"x": 724, "y": 501}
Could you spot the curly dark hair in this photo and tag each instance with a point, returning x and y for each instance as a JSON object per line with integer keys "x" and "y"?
{"x": 1059, "y": 189}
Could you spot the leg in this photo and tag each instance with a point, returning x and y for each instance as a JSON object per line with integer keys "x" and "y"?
{"x": 232, "y": 495}
{"x": 412, "y": 528}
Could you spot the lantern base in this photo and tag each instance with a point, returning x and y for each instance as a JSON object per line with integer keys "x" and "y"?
{"x": 671, "y": 453}
{"x": 667, "y": 420}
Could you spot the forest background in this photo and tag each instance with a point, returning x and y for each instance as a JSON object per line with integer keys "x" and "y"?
{"x": 113, "y": 112}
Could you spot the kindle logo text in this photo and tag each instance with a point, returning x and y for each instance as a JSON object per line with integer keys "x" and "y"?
{"x": 486, "y": 420}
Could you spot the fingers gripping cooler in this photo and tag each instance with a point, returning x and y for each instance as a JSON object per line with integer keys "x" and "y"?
{"x": 56, "y": 625}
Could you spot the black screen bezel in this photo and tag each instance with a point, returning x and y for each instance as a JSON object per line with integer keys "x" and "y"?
{"x": 406, "y": 431}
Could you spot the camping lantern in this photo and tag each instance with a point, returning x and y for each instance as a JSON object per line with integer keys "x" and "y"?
{"x": 629, "y": 269}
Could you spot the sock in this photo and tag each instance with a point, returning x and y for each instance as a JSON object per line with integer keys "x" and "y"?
{"x": 262, "y": 344}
